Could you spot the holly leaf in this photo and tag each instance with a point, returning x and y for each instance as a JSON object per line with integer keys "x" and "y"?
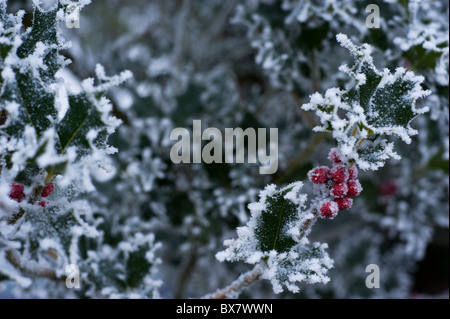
{"x": 276, "y": 236}
{"x": 29, "y": 90}
{"x": 81, "y": 117}
{"x": 376, "y": 103}
{"x": 388, "y": 100}
{"x": 275, "y": 225}
{"x": 271, "y": 230}
{"x": 44, "y": 31}
{"x": 29, "y": 102}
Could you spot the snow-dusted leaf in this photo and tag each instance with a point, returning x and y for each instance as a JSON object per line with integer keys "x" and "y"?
{"x": 81, "y": 117}
{"x": 377, "y": 103}
{"x": 308, "y": 264}
{"x": 275, "y": 236}
{"x": 36, "y": 104}
{"x": 43, "y": 30}
{"x": 130, "y": 266}
{"x": 33, "y": 67}
{"x": 274, "y": 222}
{"x": 388, "y": 100}
{"x": 42, "y": 38}
{"x": 31, "y": 103}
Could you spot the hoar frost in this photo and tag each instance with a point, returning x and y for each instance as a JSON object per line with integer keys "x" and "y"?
{"x": 286, "y": 255}
{"x": 376, "y": 103}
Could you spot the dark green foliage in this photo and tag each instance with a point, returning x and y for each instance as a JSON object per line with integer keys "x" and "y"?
{"x": 275, "y": 220}
{"x": 80, "y": 118}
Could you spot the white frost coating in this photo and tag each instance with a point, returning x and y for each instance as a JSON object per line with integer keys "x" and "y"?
{"x": 282, "y": 269}
{"x": 25, "y": 148}
{"x": 117, "y": 258}
{"x": 362, "y": 121}
{"x": 8, "y": 75}
{"x": 8, "y": 270}
{"x": 50, "y": 156}
{"x": 360, "y": 78}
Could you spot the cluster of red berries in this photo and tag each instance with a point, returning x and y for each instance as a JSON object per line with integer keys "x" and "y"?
{"x": 17, "y": 193}
{"x": 338, "y": 184}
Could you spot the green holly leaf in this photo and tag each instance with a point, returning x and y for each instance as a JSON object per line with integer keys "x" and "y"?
{"x": 81, "y": 117}
{"x": 275, "y": 224}
{"x": 274, "y": 221}
{"x": 388, "y": 100}
{"x": 376, "y": 103}
{"x": 28, "y": 99}
{"x": 30, "y": 90}
{"x": 44, "y": 29}
{"x": 276, "y": 235}
{"x": 137, "y": 265}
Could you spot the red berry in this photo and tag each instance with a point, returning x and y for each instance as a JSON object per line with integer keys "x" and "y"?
{"x": 339, "y": 189}
{"x": 354, "y": 188}
{"x": 339, "y": 174}
{"x": 344, "y": 202}
{"x": 43, "y": 203}
{"x": 388, "y": 188}
{"x": 16, "y": 192}
{"x": 47, "y": 190}
{"x": 319, "y": 175}
{"x": 332, "y": 156}
{"x": 352, "y": 172}
{"x": 329, "y": 210}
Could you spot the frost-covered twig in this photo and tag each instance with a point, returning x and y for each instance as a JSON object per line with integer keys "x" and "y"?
{"x": 14, "y": 258}
{"x": 186, "y": 270}
{"x": 238, "y": 285}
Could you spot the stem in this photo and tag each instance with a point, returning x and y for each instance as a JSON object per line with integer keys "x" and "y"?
{"x": 301, "y": 158}
{"x": 315, "y": 72}
{"x": 13, "y": 257}
{"x": 309, "y": 120}
{"x": 308, "y": 224}
{"x": 242, "y": 282}
{"x": 186, "y": 270}
{"x": 360, "y": 142}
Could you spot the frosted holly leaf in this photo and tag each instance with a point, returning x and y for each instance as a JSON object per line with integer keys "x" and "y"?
{"x": 33, "y": 68}
{"x": 43, "y": 37}
{"x": 388, "y": 100}
{"x": 46, "y": 240}
{"x": 377, "y": 103}
{"x": 29, "y": 71}
{"x": 275, "y": 236}
{"x": 426, "y": 47}
{"x": 8, "y": 26}
{"x": 270, "y": 231}
{"x": 87, "y": 123}
{"x": 301, "y": 263}
{"x": 127, "y": 269}
{"x": 35, "y": 104}
{"x": 31, "y": 105}
{"x": 59, "y": 230}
